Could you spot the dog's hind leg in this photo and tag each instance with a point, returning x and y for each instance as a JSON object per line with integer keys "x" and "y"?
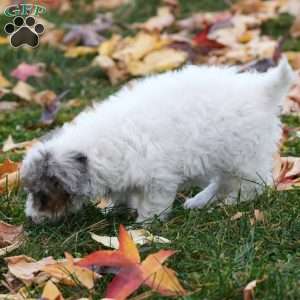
{"x": 156, "y": 201}
{"x": 208, "y": 195}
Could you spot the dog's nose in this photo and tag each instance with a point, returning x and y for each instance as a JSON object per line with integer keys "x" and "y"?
{"x": 30, "y": 220}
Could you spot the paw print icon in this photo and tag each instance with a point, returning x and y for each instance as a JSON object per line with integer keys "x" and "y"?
{"x": 24, "y": 31}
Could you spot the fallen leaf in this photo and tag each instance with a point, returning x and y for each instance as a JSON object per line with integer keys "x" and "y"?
{"x": 139, "y": 237}
{"x": 24, "y": 71}
{"x": 9, "y": 176}
{"x": 71, "y": 274}
{"x": 73, "y": 103}
{"x": 248, "y": 292}
{"x": 20, "y": 295}
{"x": 133, "y": 272}
{"x": 44, "y": 97}
{"x": 11, "y": 237}
{"x": 27, "y": 269}
{"x": 293, "y": 58}
{"x": 290, "y": 6}
{"x": 51, "y": 292}
{"x": 259, "y": 215}
{"x": 80, "y": 51}
{"x": 286, "y": 173}
{"x": 236, "y": 216}
{"x": 53, "y": 37}
{"x": 158, "y": 61}
{"x": 162, "y": 20}
{"x": 108, "y": 47}
{"x": 89, "y": 34}
{"x": 10, "y": 145}
{"x": 295, "y": 29}
{"x": 8, "y": 106}
{"x": 109, "y": 5}
{"x": 4, "y": 83}
{"x": 24, "y": 91}
{"x": 4, "y": 40}
{"x": 8, "y": 166}
{"x": 137, "y": 47}
{"x": 202, "y": 41}
{"x": 51, "y": 106}
{"x": 115, "y": 73}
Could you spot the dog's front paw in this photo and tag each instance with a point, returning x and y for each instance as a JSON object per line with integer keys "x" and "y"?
{"x": 191, "y": 203}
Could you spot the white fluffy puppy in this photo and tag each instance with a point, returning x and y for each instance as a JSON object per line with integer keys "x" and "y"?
{"x": 211, "y": 126}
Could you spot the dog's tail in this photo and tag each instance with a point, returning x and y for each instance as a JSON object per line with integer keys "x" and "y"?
{"x": 279, "y": 80}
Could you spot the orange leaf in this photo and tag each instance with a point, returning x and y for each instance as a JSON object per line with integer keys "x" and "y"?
{"x": 165, "y": 282}
{"x": 51, "y": 292}
{"x": 127, "y": 246}
{"x": 8, "y": 166}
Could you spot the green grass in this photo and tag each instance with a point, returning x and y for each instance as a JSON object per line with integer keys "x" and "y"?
{"x": 216, "y": 257}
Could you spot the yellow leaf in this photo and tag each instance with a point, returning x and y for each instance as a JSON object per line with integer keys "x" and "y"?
{"x": 158, "y": 61}
{"x": 24, "y": 91}
{"x": 3, "y": 40}
{"x": 294, "y": 59}
{"x": 109, "y": 46}
{"x": 135, "y": 48}
{"x": 74, "y": 52}
{"x": 4, "y": 83}
{"x": 51, "y": 292}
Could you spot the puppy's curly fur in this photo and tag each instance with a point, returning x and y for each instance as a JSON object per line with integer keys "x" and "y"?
{"x": 211, "y": 126}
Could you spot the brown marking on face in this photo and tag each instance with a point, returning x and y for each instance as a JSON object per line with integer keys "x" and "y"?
{"x": 54, "y": 201}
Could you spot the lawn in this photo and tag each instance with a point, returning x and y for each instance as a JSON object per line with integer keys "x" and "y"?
{"x": 216, "y": 256}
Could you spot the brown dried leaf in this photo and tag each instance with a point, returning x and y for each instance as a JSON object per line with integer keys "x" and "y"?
{"x": 8, "y": 106}
{"x": 9, "y": 176}
{"x": 295, "y": 29}
{"x": 70, "y": 274}
{"x": 27, "y": 269}
{"x": 248, "y": 292}
{"x": 237, "y": 216}
{"x": 115, "y": 73}
{"x": 259, "y": 216}
{"x": 53, "y": 37}
{"x": 10, "y": 234}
